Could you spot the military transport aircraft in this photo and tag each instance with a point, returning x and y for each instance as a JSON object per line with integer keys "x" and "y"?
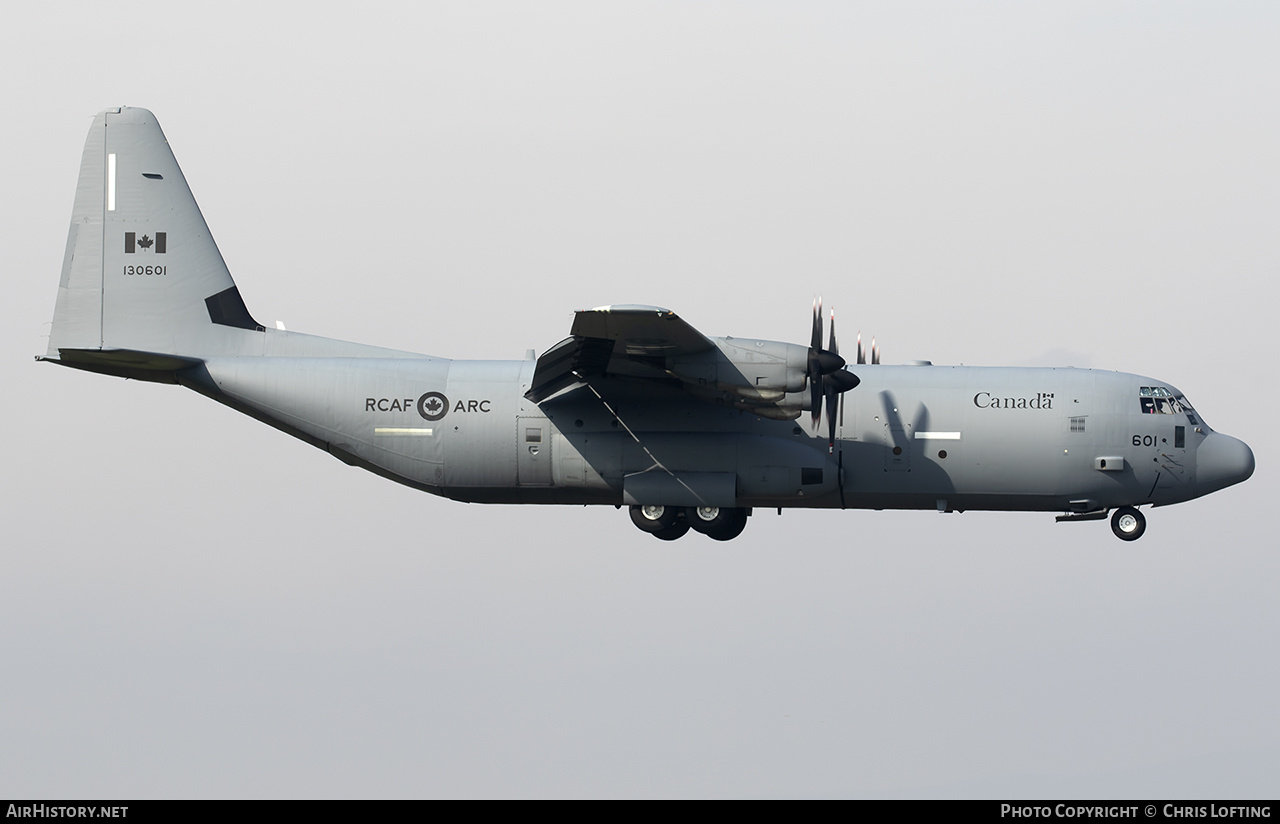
{"x": 635, "y": 408}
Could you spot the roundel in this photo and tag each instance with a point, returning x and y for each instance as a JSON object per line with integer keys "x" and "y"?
{"x": 433, "y": 406}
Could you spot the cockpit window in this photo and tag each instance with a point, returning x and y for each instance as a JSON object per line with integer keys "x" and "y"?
{"x": 1158, "y": 400}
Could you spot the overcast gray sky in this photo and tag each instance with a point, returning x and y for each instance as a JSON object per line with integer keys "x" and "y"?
{"x": 194, "y": 605}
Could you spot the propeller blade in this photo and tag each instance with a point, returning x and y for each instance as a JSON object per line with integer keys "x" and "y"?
{"x": 819, "y": 364}
{"x": 875, "y": 352}
{"x": 833, "y": 396}
{"x": 862, "y": 356}
{"x": 815, "y": 388}
{"x": 815, "y": 341}
{"x": 833, "y": 403}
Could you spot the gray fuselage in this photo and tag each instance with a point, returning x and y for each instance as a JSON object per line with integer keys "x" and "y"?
{"x": 909, "y": 437}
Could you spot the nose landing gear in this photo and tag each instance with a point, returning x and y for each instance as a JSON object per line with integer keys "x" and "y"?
{"x": 1128, "y": 523}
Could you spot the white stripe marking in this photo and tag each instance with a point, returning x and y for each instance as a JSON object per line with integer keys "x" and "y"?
{"x": 937, "y": 436}
{"x": 111, "y": 183}
{"x": 392, "y": 430}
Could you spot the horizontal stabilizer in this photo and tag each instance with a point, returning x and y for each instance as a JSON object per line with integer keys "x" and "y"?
{"x": 126, "y": 363}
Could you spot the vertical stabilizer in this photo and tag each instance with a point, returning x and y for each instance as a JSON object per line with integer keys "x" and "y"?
{"x": 141, "y": 271}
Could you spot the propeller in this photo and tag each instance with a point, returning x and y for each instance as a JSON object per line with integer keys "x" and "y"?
{"x": 827, "y": 376}
{"x": 875, "y": 351}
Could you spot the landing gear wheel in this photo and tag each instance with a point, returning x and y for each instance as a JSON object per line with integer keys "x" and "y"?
{"x": 718, "y": 523}
{"x": 654, "y": 519}
{"x": 1128, "y": 523}
{"x": 676, "y": 530}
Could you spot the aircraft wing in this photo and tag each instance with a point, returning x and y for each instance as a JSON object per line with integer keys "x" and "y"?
{"x": 632, "y": 341}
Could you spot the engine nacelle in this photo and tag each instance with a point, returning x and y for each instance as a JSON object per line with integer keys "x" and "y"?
{"x": 755, "y": 370}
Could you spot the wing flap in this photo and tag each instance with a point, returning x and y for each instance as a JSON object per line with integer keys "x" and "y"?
{"x": 568, "y": 362}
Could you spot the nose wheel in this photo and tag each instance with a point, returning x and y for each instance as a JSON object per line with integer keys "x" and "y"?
{"x": 1128, "y": 523}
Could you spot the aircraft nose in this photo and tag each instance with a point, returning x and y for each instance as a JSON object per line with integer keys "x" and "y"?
{"x": 1221, "y": 461}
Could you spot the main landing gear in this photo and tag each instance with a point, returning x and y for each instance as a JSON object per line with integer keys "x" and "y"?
{"x": 667, "y": 523}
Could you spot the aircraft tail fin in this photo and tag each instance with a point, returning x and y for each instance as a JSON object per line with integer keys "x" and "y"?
{"x": 141, "y": 273}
